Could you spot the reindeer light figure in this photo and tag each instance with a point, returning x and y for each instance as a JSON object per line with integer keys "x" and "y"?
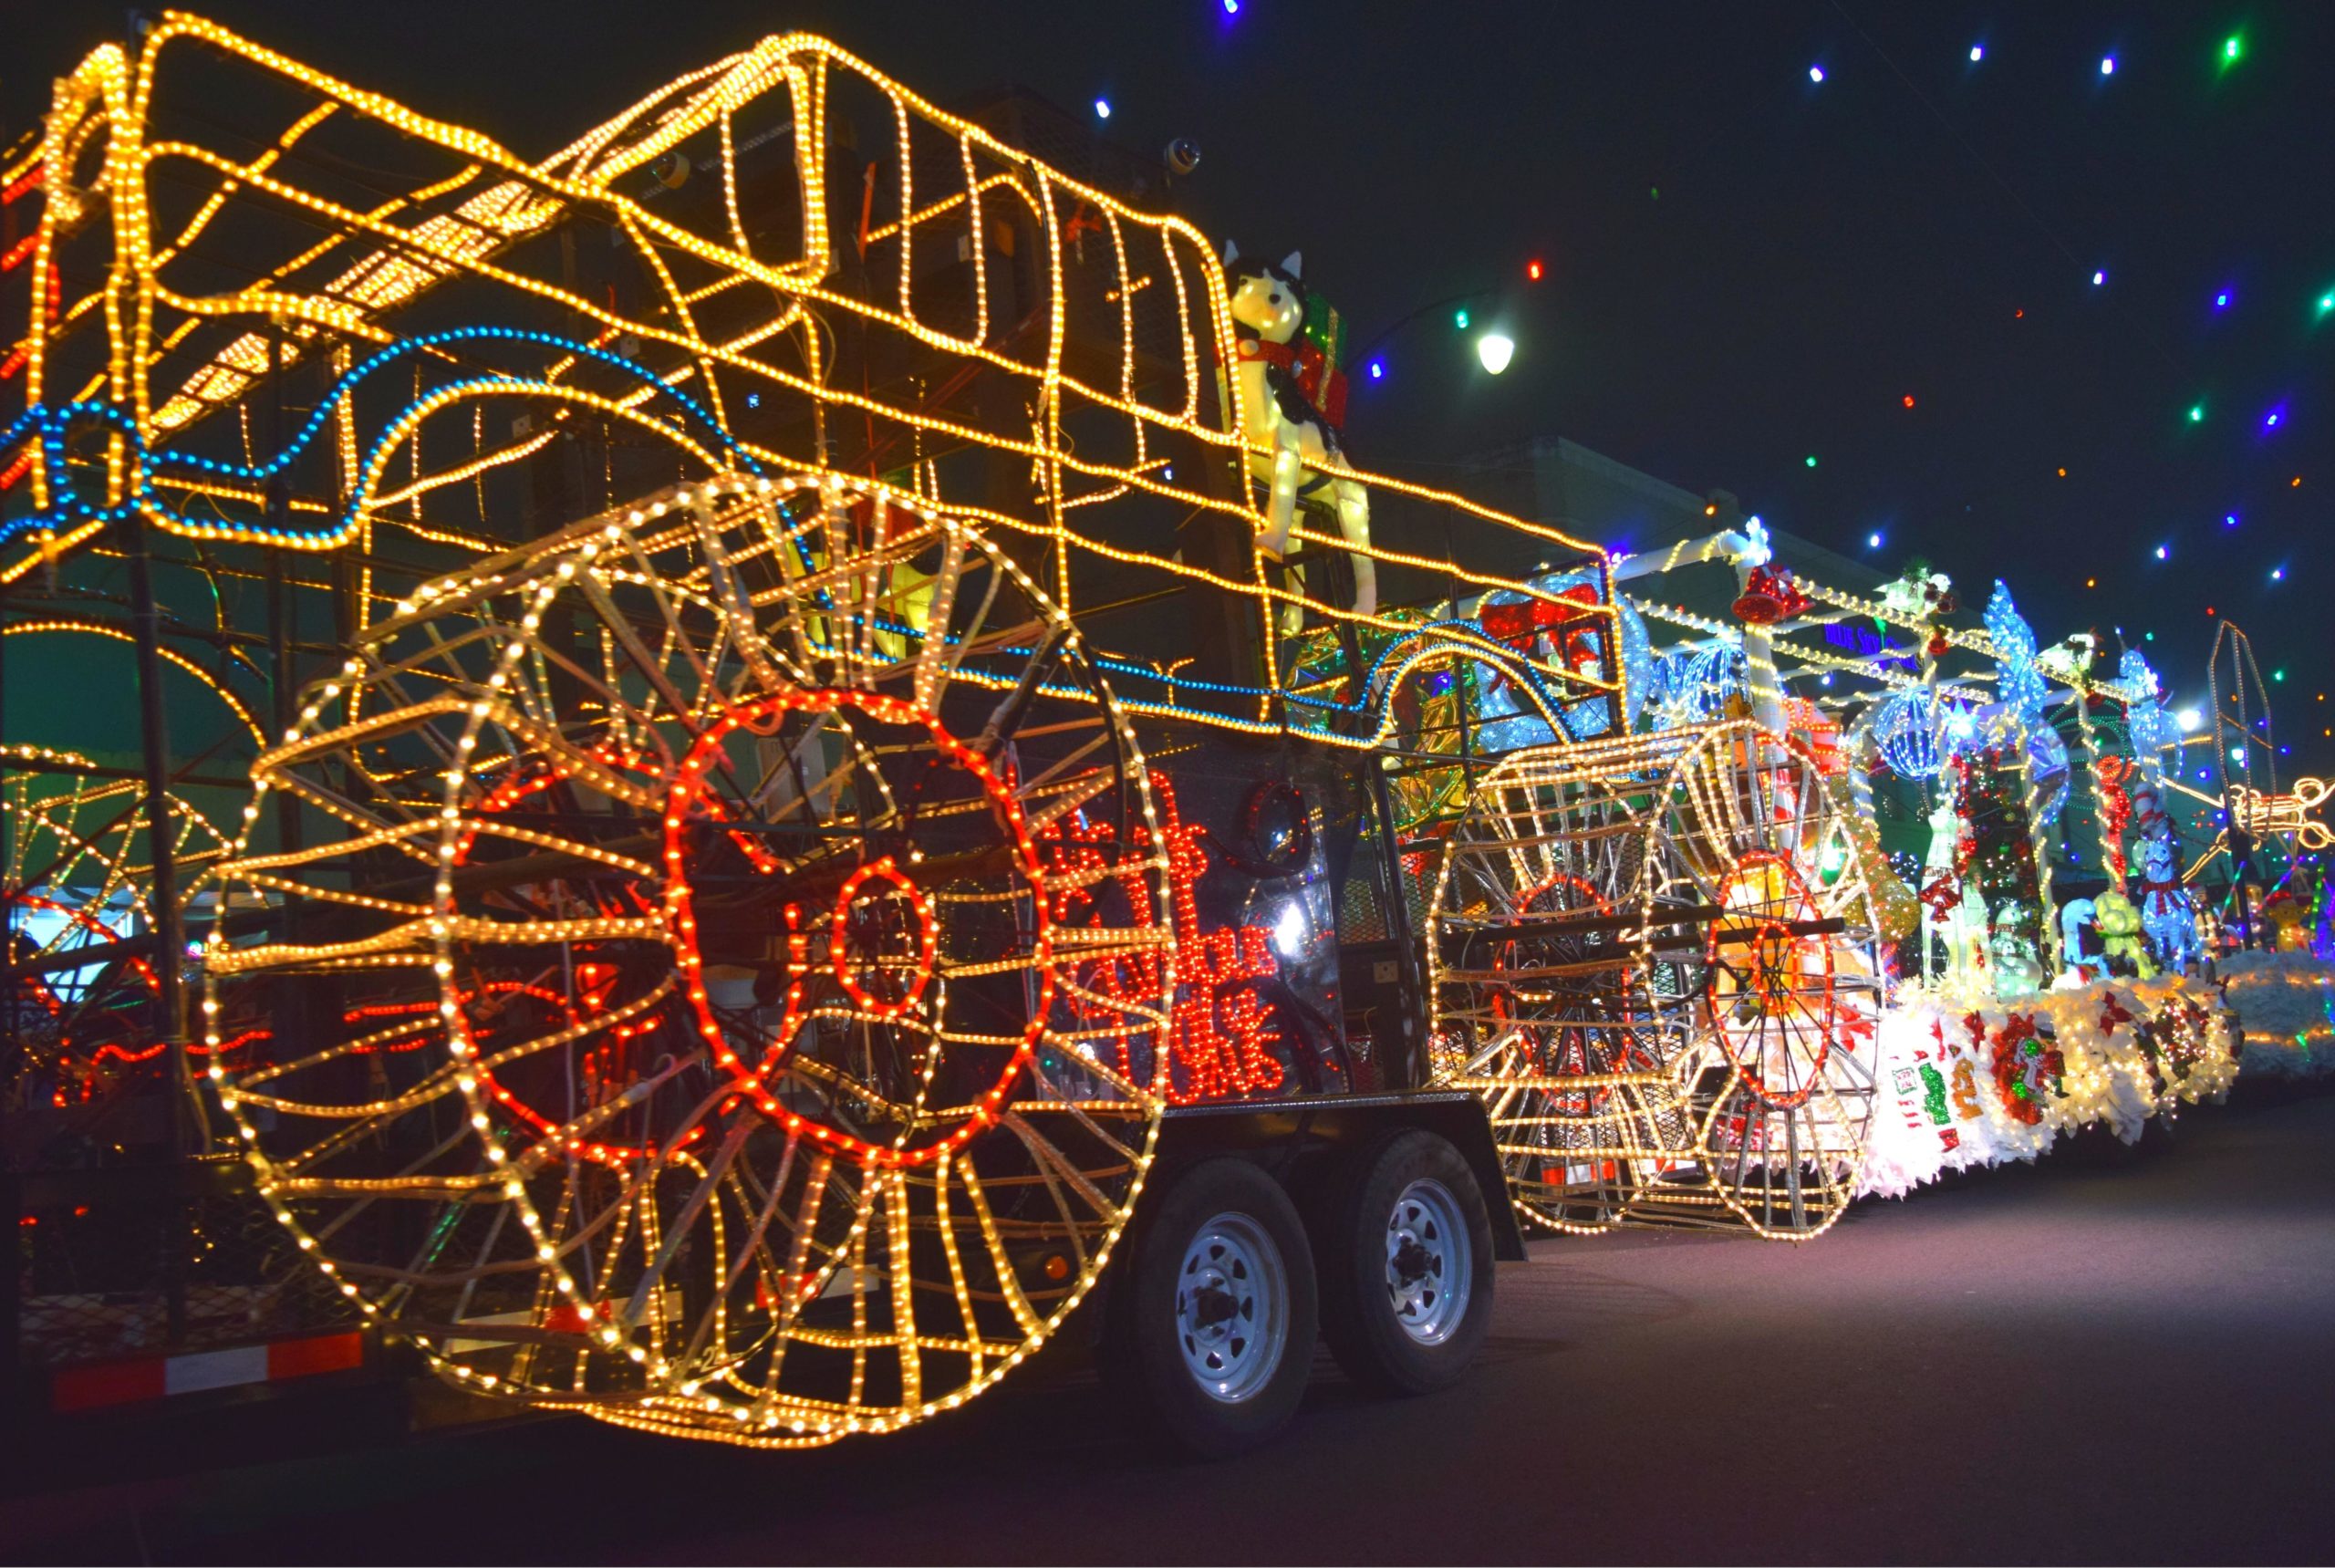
{"x": 1294, "y": 446}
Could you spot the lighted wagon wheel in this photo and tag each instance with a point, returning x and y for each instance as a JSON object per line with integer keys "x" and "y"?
{"x": 1781, "y": 1079}
{"x": 786, "y": 1070}
{"x": 78, "y": 878}
{"x": 1426, "y": 697}
{"x": 1556, "y": 992}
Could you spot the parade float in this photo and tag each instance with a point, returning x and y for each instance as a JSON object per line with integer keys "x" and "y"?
{"x": 771, "y": 750}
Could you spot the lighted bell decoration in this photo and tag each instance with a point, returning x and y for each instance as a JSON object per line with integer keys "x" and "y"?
{"x": 1770, "y": 595}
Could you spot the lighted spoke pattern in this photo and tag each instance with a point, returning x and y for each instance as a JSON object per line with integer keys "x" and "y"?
{"x": 76, "y": 874}
{"x": 1655, "y": 958}
{"x": 706, "y": 1056}
{"x": 1781, "y": 1081}
{"x": 1556, "y": 992}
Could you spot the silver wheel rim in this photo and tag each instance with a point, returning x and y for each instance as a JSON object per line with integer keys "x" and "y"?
{"x": 1232, "y": 1307}
{"x": 1430, "y": 1265}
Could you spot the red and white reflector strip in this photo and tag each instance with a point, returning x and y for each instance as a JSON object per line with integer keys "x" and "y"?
{"x": 159, "y": 1376}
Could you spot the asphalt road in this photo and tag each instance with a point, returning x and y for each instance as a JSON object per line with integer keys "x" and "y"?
{"x": 2084, "y": 1361}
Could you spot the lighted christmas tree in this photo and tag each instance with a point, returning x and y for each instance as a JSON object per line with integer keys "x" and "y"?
{"x": 1990, "y": 792}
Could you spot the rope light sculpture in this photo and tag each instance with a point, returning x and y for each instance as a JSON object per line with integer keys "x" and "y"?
{"x": 2288, "y": 814}
{"x": 2245, "y": 760}
{"x": 1547, "y": 1000}
{"x": 754, "y": 728}
{"x": 711, "y": 966}
{"x": 728, "y": 356}
{"x": 75, "y": 888}
{"x": 722, "y": 965}
{"x": 1658, "y": 960}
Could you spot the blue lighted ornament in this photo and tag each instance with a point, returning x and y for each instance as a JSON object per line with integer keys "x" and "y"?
{"x": 1919, "y": 732}
{"x": 1996, "y": 727}
{"x": 1691, "y": 685}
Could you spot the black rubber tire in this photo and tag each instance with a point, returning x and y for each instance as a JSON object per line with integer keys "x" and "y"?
{"x": 1358, "y": 1314}
{"x": 1143, "y": 1359}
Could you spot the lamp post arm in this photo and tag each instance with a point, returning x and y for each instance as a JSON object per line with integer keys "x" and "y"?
{"x": 1362, "y": 356}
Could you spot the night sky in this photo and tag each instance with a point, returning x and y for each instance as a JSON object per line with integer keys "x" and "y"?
{"x": 1745, "y": 267}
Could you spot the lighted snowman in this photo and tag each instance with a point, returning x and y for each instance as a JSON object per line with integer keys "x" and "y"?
{"x": 2014, "y": 954}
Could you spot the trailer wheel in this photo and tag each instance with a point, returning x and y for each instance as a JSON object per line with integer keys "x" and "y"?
{"x": 1214, "y": 1327}
{"x": 1407, "y": 1286}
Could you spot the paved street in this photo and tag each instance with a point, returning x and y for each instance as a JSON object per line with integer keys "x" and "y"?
{"x": 2090, "y": 1360}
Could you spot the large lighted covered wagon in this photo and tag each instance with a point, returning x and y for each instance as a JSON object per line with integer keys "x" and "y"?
{"x": 834, "y": 795}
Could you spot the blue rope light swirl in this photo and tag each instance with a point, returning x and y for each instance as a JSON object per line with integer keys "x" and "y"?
{"x": 54, "y": 424}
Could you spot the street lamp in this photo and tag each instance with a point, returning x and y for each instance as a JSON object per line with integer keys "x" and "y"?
{"x": 1494, "y": 351}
